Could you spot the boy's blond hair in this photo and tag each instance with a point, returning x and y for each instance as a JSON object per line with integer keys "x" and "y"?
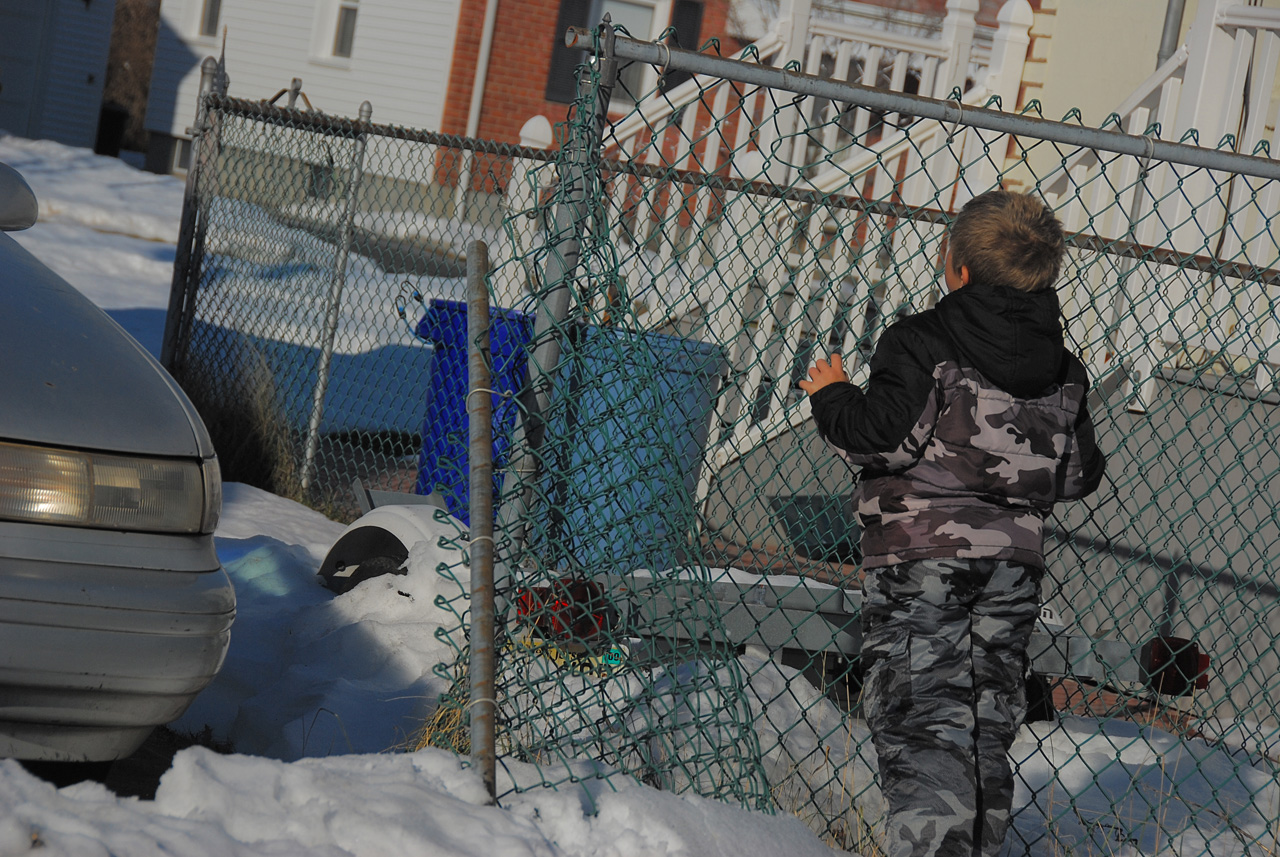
{"x": 1008, "y": 239}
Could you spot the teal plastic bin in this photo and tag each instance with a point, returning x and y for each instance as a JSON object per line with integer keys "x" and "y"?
{"x": 626, "y": 435}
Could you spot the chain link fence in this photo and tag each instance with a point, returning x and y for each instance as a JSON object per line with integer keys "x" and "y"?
{"x": 311, "y": 246}
{"x": 678, "y": 582}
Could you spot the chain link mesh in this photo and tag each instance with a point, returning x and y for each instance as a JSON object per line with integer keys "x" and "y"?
{"x": 679, "y": 584}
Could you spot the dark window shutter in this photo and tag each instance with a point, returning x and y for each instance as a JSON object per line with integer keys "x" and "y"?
{"x": 562, "y": 86}
{"x": 686, "y": 17}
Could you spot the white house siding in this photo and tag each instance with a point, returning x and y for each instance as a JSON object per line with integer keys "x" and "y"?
{"x": 399, "y": 63}
{"x": 22, "y": 30}
{"x": 53, "y": 61}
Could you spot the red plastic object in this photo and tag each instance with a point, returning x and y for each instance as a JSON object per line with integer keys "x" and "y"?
{"x": 569, "y": 610}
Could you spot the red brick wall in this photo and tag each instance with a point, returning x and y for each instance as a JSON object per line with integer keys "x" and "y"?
{"x": 521, "y": 57}
{"x": 519, "y": 63}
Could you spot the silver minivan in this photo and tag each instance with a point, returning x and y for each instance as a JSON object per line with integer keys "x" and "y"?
{"x": 114, "y": 609}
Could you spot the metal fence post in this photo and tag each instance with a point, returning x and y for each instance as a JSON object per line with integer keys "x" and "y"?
{"x": 184, "y": 283}
{"x": 335, "y": 301}
{"x": 582, "y": 154}
{"x": 480, "y": 462}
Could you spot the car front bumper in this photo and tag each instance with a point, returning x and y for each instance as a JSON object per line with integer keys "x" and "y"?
{"x": 94, "y": 654}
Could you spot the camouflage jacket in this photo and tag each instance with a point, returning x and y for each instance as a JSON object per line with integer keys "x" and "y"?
{"x": 973, "y": 423}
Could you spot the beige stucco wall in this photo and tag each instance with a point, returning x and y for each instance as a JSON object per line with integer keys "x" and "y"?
{"x": 1090, "y": 55}
{"x": 1099, "y": 51}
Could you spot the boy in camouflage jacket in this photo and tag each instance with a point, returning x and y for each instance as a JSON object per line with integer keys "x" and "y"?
{"x": 972, "y": 424}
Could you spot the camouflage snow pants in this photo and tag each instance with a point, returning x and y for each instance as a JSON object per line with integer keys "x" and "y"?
{"x": 945, "y": 644}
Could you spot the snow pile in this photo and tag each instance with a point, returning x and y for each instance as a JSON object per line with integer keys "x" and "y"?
{"x": 311, "y": 674}
{"x": 1117, "y": 787}
{"x": 425, "y": 803}
{"x": 77, "y": 186}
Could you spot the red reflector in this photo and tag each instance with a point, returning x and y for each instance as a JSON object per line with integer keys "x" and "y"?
{"x": 1174, "y": 666}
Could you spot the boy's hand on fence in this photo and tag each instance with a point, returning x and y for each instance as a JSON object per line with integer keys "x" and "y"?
{"x": 823, "y": 373}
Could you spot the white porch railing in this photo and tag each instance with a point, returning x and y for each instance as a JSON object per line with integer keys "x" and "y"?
{"x": 1166, "y": 309}
{"x": 664, "y": 237}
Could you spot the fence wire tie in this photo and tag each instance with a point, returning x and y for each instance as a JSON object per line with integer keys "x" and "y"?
{"x": 488, "y": 539}
{"x": 958, "y": 99}
{"x": 505, "y": 394}
{"x": 1148, "y": 149}
{"x": 488, "y": 699}
{"x": 667, "y": 61}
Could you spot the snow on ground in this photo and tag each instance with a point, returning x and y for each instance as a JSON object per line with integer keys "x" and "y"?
{"x": 425, "y": 803}
{"x": 343, "y": 681}
{"x": 320, "y": 693}
{"x": 105, "y": 194}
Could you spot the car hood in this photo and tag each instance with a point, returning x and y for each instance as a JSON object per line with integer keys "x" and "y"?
{"x": 73, "y": 378}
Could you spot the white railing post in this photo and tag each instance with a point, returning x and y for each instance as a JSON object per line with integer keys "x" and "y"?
{"x": 957, "y": 35}
{"x": 1205, "y": 103}
{"x": 793, "y": 29}
{"x": 985, "y": 155}
{"x": 1009, "y": 52}
{"x": 1210, "y": 98}
{"x": 514, "y": 271}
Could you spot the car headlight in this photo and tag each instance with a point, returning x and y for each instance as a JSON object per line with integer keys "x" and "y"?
{"x": 89, "y": 489}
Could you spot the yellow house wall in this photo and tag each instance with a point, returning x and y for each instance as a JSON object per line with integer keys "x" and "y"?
{"x": 1099, "y": 52}
{"x": 1090, "y": 55}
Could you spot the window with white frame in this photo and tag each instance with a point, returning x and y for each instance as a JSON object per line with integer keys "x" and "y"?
{"x": 181, "y": 155}
{"x": 642, "y": 19}
{"x": 210, "y": 13}
{"x": 639, "y": 18}
{"x": 344, "y": 31}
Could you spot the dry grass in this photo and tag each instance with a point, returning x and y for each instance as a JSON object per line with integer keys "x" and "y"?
{"x": 842, "y": 823}
{"x": 449, "y": 726}
{"x": 238, "y": 400}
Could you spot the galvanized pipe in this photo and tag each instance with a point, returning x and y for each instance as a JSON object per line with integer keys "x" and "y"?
{"x": 182, "y": 285}
{"x": 582, "y": 157}
{"x": 478, "y": 81}
{"x": 333, "y": 310}
{"x": 571, "y": 215}
{"x": 1172, "y": 28}
{"x": 480, "y": 463}
{"x": 949, "y": 112}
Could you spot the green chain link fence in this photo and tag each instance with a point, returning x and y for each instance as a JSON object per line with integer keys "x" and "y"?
{"x": 678, "y": 580}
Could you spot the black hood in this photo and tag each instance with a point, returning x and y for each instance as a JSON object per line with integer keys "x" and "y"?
{"x": 1014, "y": 338}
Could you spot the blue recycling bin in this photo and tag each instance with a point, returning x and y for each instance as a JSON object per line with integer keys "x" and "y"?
{"x": 442, "y": 465}
{"x": 626, "y": 429}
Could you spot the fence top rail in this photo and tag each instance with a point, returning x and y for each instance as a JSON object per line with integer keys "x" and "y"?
{"x": 1087, "y": 241}
{"x": 344, "y": 126}
{"x": 950, "y": 111}
{"x": 652, "y": 111}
